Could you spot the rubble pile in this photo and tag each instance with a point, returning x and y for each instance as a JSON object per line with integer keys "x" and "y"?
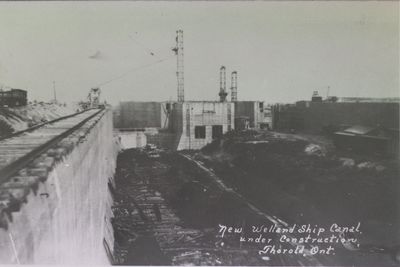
{"x": 313, "y": 149}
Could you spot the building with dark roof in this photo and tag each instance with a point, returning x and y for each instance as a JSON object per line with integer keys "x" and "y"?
{"x": 13, "y": 98}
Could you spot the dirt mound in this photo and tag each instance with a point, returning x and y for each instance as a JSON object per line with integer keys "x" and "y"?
{"x": 289, "y": 177}
{"x": 17, "y": 119}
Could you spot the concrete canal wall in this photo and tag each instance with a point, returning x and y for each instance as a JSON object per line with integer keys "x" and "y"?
{"x": 65, "y": 218}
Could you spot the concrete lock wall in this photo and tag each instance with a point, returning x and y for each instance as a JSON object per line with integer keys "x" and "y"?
{"x": 246, "y": 109}
{"x": 68, "y": 220}
{"x": 138, "y": 115}
{"x": 206, "y": 114}
{"x": 250, "y": 110}
{"x": 312, "y": 117}
{"x": 132, "y": 139}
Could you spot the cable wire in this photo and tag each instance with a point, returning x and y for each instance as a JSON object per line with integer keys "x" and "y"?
{"x": 132, "y": 70}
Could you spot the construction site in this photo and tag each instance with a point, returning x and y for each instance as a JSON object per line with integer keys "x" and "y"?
{"x": 189, "y": 167}
{"x": 188, "y": 124}
{"x": 259, "y": 157}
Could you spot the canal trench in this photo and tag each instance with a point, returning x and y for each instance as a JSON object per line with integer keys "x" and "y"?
{"x": 168, "y": 212}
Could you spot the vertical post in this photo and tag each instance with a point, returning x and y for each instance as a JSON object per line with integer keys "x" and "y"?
{"x": 222, "y": 84}
{"x": 54, "y": 91}
{"x": 234, "y": 86}
{"x": 180, "y": 65}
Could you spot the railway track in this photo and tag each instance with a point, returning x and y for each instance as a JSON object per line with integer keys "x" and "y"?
{"x": 21, "y": 148}
{"x": 309, "y": 261}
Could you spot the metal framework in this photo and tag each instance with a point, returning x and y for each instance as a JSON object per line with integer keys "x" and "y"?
{"x": 180, "y": 65}
{"x": 234, "y": 86}
{"x": 94, "y": 97}
{"x": 222, "y": 84}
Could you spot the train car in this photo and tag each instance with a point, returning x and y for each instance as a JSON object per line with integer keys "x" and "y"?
{"x": 13, "y": 98}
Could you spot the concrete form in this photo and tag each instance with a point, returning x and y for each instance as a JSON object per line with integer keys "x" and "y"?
{"x": 187, "y": 125}
{"x": 198, "y": 123}
{"x": 135, "y": 115}
{"x": 267, "y": 121}
{"x": 131, "y": 139}
{"x": 140, "y": 123}
{"x": 141, "y": 115}
{"x": 249, "y": 114}
{"x": 314, "y": 117}
{"x": 58, "y": 209}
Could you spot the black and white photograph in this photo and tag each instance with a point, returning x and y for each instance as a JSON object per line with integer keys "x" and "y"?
{"x": 200, "y": 133}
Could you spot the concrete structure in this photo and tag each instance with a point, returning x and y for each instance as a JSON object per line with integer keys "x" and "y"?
{"x": 132, "y": 139}
{"x": 249, "y": 114}
{"x": 140, "y": 123}
{"x": 198, "y": 123}
{"x": 315, "y": 117}
{"x": 138, "y": 115}
{"x": 267, "y": 121}
{"x": 234, "y": 96}
{"x": 316, "y": 97}
{"x": 187, "y": 125}
{"x": 369, "y": 100}
{"x": 222, "y": 84}
{"x": 58, "y": 210}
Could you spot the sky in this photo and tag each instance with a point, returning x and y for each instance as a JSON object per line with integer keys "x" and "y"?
{"x": 282, "y": 51}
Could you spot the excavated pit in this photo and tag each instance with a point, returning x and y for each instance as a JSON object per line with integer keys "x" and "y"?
{"x": 168, "y": 209}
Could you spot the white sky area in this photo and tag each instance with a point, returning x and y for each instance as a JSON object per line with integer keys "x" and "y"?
{"x": 281, "y": 51}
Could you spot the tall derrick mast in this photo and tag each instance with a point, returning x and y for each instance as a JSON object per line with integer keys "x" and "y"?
{"x": 179, "y": 65}
{"x": 94, "y": 97}
{"x": 234, "y": 86}
{"x": 222, "y": 84}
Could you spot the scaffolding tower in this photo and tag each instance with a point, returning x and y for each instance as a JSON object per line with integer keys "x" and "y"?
{"x": 234, "y": 86}
{"x": 179, "y": 65}
{"x": 222, "y": 84}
